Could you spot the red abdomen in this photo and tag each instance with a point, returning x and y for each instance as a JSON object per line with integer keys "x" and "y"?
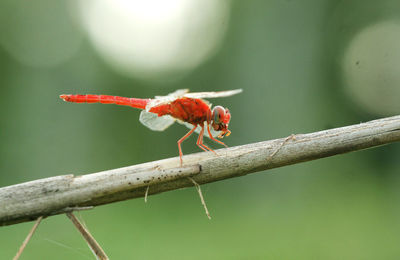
{"x": 105, "y": 99}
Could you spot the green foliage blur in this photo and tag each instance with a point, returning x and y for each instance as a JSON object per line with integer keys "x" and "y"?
{"x": 286, "y": 56}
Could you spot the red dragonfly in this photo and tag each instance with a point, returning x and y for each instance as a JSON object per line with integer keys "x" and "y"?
{"x": 187, "y": 108}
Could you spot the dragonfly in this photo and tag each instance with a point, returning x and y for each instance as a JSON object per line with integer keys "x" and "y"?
{"x": 190, "y": 109}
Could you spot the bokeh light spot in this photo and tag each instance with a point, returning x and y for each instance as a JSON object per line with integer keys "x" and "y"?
{"x": 155, "y": 39}
{"x": 372, "y": 68}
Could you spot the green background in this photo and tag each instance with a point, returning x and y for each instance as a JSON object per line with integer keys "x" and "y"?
{"x": 286, "y": 56}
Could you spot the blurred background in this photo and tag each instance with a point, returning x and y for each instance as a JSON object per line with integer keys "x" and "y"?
{"x": 304, "y": 66}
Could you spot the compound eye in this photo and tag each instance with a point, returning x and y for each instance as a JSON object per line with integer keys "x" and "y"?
{"x": 219, "y": 114}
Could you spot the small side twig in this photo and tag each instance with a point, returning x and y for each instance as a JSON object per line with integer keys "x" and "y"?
{"x": 28, "y": 238}
{"x": 146, "y": 194}
{"x": 203, "y": 202}
{"x": 290, "y": 137}
{"x": 93, "y": 245}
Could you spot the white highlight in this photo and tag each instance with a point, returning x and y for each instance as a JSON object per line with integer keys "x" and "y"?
{"x": 372, "y": 68}
{"x": 153, "y": 38}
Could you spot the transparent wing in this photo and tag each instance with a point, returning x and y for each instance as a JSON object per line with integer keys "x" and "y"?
{"x": 213, "y": 94}
{"x": 177, "y": 93}
{"x": 155, "y": 122}
{"x": 160, "y": 100}
{"x": 198, "y": 129}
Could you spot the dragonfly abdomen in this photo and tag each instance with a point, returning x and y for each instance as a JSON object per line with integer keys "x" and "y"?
{"x": 105, "y": 99}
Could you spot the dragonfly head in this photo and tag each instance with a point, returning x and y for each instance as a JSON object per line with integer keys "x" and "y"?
{"x": 220, "y": 120}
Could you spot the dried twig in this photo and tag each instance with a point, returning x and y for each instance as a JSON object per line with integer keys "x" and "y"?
{"x": 92, "y": 243}
{"x": 26, "y": 201}
{"x": 28, "y": 238}
{"x": 203, "y": 202}
{"x": 146, "y": 194}
{"x": 290, "y": 137}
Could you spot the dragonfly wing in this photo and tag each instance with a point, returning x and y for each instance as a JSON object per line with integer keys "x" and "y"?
{"x": 176, "y": 94}
{"x": 155, "y": 122}
{"x": 213, "y": 94}
{"x": 160, "y": 100}
{"x": 198, "y": 129}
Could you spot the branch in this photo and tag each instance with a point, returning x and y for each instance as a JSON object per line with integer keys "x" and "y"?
{"x": 61, "y": 194}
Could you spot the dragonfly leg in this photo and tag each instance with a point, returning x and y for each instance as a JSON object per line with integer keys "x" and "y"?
{"x": 212, "y": 137}
{"x": 200, "y": 141}
{"x": 183, "y": 139}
